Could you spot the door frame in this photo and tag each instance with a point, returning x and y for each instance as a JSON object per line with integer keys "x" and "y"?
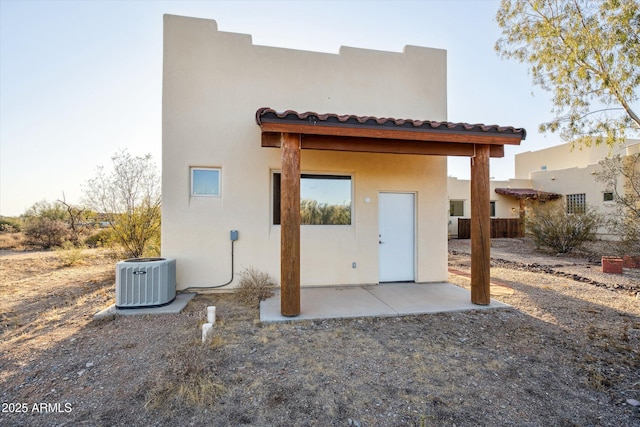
{"x": 414, "y": 236}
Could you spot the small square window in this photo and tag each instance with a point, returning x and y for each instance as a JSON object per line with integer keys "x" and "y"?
{"x": 205, "y": 182}
{"x": 607, "y": 196}
{"x": 456, "y": 207}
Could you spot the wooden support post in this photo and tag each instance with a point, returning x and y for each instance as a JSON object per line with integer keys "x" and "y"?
{"x": 521, "y": 214}
{"x": 290, "y": 225}
{"x": 480, "y": 226}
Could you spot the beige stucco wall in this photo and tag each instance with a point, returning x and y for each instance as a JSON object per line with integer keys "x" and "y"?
{"x": 213, "y": 84}
{"x": 563, "y": 157}
{"x": 506, "y": 207}
{"x": 576, "y": 181}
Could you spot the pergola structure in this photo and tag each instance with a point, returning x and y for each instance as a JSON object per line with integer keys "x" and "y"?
{"x": 523, "y": 195}
{"x": 292, "y": 132}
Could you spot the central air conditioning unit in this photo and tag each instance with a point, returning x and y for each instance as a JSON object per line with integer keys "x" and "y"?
{"x": 145, "y": 282}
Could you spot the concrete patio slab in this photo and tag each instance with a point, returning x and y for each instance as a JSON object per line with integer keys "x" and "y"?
{"x": 176, "y": 306}
{"x": 389, "y": 299}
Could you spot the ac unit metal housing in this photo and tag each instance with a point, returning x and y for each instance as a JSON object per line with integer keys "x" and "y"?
{"x": 145, "y": 282}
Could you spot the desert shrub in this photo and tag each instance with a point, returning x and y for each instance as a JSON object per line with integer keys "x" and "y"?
{"x": 629, "y": 243}
{"x": 70, "y": 254}
{"x": 190, "y": 381}
{"x": 255, "y": 286}
{"x": 552, "y": 227}
{"x": 45, "y": 232}
{"x": 11, "y": 240}
{"x": 129, "y": 197}
{"x": 100, "y": 239}
{"x": 8, "y": 225}
{"x": 622, "y": 178}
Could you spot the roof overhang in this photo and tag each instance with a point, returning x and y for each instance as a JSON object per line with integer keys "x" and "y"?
{"x": 528, "y": 194}
{"x": 384, "y": 135}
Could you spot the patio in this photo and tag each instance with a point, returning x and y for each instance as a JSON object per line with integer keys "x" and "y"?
{"x": 384, "y": 300}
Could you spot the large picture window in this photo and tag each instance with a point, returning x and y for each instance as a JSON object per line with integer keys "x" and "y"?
{"x": 324, "y": 199}
{"x": 205, "y": 182}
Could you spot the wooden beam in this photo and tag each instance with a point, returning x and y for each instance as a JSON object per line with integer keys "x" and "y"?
{"x": 380, "y": 132}
{"x": 386, "y": 146}
{"x": 290, "y": 225}
{"x": 480, "y": 227}
{"x": 521, "y": 217}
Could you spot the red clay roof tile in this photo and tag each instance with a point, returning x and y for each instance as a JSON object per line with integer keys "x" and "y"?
{"x": 265, "y": 114}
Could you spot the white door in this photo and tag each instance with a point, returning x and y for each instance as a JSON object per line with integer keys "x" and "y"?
{"x": 396, "y": 216}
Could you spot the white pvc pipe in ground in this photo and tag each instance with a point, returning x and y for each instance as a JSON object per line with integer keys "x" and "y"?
{"x": 206, "y": 328}
{"x": 211, "y": 314}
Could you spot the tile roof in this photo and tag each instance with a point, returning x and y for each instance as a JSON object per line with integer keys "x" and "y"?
{"x": 528, "y": 193}
{"x": 266, "y": 115}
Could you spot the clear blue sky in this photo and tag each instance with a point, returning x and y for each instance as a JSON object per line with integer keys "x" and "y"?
{"x": 81, "y": 80}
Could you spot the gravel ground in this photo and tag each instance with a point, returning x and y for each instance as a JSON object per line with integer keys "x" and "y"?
{"x": 565, "y": 354}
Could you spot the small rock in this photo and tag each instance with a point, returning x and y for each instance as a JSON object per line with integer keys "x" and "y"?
{"x": 633, "y": 402}
{"x": 89, "y": 364}
{"x": 81, "y": 372}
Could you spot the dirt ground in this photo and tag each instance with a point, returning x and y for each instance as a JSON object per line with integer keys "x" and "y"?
{"x": 565, "y": 354}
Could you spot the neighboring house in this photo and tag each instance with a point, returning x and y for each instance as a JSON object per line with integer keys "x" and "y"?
{"x": 370, "y": 191}
{"x": 558, "y": 172}
{"x": 501, "y": 206}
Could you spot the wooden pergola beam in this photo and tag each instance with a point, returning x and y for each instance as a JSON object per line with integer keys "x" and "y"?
{"x": 376, "y": 145}
{"x": 290, "y": 225}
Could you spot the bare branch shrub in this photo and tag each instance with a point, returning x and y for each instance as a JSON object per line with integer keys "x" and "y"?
{"x": 552, "y": 227}
{"x": 45, "y": 233}
{"x": 621, "y": 175}
{"x": 129, "y": 198}
{"x": 255, "y": 286}
{"x": 190, "y": 382}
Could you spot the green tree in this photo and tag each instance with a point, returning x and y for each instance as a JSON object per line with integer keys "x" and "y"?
{"x": 621, "y": 175}
{"x": 129, "y": 198}
{"x": 587, "y": 53}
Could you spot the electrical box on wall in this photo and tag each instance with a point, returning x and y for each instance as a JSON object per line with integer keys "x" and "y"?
{"x": 233, "y": 235}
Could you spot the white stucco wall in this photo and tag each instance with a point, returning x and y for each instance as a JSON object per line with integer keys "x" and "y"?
{"x": 213, "y": 84}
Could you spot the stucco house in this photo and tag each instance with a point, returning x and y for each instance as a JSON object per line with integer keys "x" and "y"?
{"x": 298, "y": 163}
{"x": 561, "y": 172}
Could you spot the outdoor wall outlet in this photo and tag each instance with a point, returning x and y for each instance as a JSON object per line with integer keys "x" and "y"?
{"x": 353, "y": 265}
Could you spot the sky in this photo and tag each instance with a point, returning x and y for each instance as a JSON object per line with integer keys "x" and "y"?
{"x": 82, "y": 80}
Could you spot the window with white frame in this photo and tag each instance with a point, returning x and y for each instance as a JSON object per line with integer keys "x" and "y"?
{"x": 492, "y": 208}
{"x": 324, "y": 199}
{"x": 576, "y": 203}
{"x": 456, "y": 207}
{"x": 205, "y": 182}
